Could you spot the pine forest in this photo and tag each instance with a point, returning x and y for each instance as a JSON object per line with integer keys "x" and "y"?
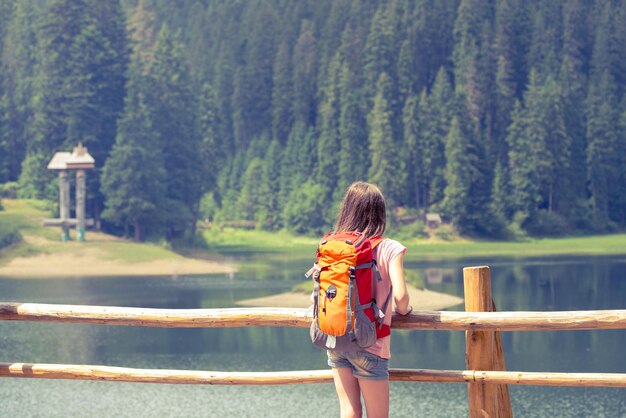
{"x": 504, "y": 116}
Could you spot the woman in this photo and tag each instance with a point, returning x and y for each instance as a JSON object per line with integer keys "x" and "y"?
{"x": 366, "y": 372}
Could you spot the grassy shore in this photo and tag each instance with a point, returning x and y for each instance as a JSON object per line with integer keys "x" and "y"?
{"x": 42, "y": 254}
{"x": 589, "y": 245}
{"x": 231, "y": 241}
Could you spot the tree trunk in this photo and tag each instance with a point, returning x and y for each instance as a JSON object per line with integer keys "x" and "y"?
{"x": 418, "y": 198}
{"x": 550, "y": 200}
{"x": 138, "y": 232}
{"x": 194, "y": 222}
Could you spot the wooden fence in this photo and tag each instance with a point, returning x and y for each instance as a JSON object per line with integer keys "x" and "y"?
{"x": 486, "y": 375}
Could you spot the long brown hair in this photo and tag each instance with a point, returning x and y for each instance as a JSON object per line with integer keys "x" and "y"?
{"x": 363, "y": 210}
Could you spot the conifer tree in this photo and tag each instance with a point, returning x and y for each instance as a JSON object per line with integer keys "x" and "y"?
{"x": 101, "y": 51}
{"x": 559, "y": 178}
{"x": 441, "y": 108}
{"x": 505, "y": 99}
{"x": 282, "y": 111}
{"x": 405, "y": 70}
{"x": 4, "y": 143}
{"x": 17, "y": 68}
{"x": 471, "y": 16}
{"x": 58, "y": 90}
{"x": 573, "y": 79}
{"x": 143, "y": 29}
{"x": 229, "y": 185}
{"x": 474, "y": 65}
{"x": 351, "y": 50}
{"x": 329, "y": 145}
{"x": 500, "y": 195}
{"x": 543, "y": 54}
{"x": 525, "y": 186}
{"x": 468, "y": 182}
{"x": 603, "y": 144}
{"x": 289, "y": 167}
{"x": 304, "y": 211}
{"x": 211, "y": 157}
{"x": 305, "y": 64}
{"x": 257, "y": 73}
{"x": 334, "y": 28}
{"x": 224, "y": 85}
{"x": 513, "y": 29}
{"x": 173, "y": 109}
{"x": 602, "y": 160}
{"x": 607, "y": 47}
{"x": 413, "y": 141}
{"x": 353, "y": 153}
{"x": 458, "y": 178}
{"x": 379, "y": 50}
{"x": 268, "y": 214}
{"x": 78, "y": 86}
{"x": 510, "y": 45}
{"x": 133, "y": 178}
{"x": 250, "y": 196}
{"x": 299, "y": 162}
{"x": 111, "y": 60}
{"x": 387, "y": 168}
{"x": 541, "y": 144}
{"x": 430, "y": 31}
{"x": 620, "y": 203}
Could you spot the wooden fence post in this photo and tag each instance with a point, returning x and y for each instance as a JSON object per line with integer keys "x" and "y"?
{"x": 483, "y": 349}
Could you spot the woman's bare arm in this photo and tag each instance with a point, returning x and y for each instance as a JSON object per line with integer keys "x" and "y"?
{"x": 400, "y": 292}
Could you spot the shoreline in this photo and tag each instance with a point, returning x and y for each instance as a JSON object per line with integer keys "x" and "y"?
{"x": 89, "y": 264}
{"x": 421, "y": 300}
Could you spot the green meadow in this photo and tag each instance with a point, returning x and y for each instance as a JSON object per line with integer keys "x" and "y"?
{"x": 232, "y": 241}
{"x": 26, "y": 216}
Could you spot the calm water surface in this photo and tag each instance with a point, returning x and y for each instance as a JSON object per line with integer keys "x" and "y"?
{"x": 523, "y": 284}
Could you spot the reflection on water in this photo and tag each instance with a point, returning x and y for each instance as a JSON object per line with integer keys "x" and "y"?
{"x": 540, "y": 284}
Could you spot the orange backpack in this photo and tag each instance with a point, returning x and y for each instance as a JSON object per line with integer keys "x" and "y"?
{"x": 345, "y": 314}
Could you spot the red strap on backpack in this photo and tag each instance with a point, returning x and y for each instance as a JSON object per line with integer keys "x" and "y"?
{"x": 382, "y": 330}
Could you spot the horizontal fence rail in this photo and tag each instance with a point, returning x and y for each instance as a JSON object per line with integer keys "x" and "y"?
{"x": 124, "y": 374}
{"x": 301, "y": 318}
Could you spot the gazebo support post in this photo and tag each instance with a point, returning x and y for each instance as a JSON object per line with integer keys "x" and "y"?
{"x": 64, "y": 207}
{"x": 80, "y": 205}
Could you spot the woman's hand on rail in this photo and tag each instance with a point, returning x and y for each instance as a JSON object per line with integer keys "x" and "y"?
{"x": 408, "y": 311}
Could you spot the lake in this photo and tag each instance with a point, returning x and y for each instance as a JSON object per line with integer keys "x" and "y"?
{"x": 546, "y": 284}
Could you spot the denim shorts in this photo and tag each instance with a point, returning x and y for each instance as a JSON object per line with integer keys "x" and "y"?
{"x": 364, "y": 364}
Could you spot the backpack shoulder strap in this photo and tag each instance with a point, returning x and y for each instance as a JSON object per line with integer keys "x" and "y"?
{"x": 376, "y": 240}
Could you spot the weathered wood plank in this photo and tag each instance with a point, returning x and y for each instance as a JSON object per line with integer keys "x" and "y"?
{"x": 152, "y": 317}
{"x": 513, "y": 321}
{"x": 297, "y": 317}
{"x": 505, "y": 409}
{"x": 480, "y": 345}
{"x": 125, "y": 374}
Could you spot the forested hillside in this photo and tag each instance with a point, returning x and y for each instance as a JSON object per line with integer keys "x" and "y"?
{"x": 499, "y": 114}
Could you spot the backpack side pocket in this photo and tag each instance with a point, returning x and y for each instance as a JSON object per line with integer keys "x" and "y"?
{"x": 364, "y": 330}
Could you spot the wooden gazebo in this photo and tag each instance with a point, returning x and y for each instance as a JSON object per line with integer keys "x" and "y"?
{"x": 80, "y": 160}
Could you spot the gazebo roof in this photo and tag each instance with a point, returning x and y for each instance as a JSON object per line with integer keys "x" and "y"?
{"x": 80, "y": 158}
{"x": 59, "y": 161}
{"x": 77, "y": 159}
